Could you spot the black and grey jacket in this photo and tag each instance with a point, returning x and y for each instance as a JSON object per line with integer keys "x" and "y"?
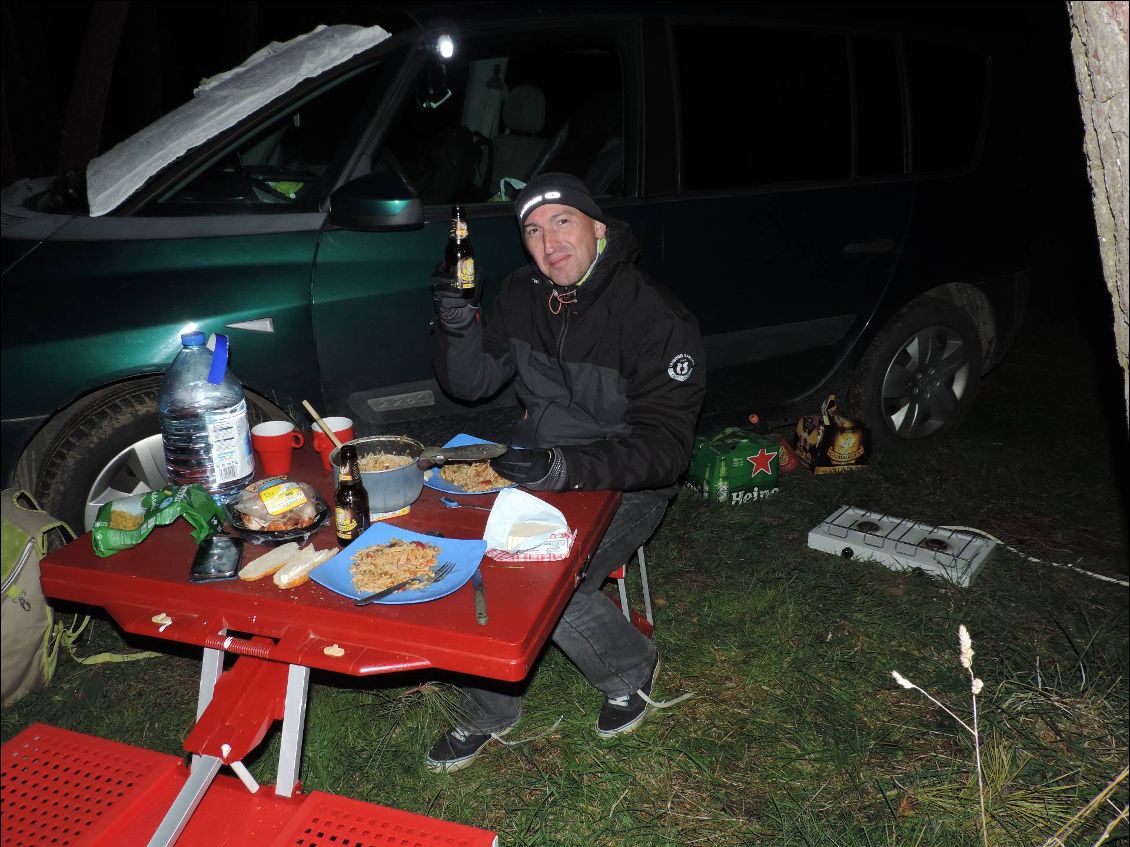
{"x": 615, "y": 380}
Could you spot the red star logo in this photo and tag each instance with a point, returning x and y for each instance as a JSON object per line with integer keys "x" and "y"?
{"x": 761, "y": 462}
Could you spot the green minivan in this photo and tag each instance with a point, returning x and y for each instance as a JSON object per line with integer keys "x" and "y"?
{"x": 835, "y": 201}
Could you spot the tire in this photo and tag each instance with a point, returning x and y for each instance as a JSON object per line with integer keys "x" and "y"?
{"x": 110, "y": 448}
{"x": 920, "y": 375}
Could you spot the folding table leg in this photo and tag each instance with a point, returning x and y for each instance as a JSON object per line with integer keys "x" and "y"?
{"x": 622, "y": 582}
{"x": 210, "y": 670}
{"x": 294, "y": 724}
{"x": 187, "y": 800}
{"x": 646, "y": 586}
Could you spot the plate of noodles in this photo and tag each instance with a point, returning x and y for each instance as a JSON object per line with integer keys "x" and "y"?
{"x": 466, "y": 477}
{"x": 384, "y": 555}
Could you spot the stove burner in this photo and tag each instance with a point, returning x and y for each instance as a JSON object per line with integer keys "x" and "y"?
{"x": 866, "y": 526}
{"x": 935, "y": 544}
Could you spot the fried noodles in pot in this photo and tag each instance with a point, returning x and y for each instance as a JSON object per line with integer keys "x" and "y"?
{"x": 376, "y": 462}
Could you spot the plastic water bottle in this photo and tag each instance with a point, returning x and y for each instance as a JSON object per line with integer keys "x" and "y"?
{"x": 204, "y": 420}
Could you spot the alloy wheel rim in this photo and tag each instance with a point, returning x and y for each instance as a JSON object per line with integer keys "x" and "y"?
{"x": 138, "y": 468}
{"x": 925, "y": 382}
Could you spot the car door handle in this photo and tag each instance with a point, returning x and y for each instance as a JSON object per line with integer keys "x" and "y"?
{"x": 879, "y": 245}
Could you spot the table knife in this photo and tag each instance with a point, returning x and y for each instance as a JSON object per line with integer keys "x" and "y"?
{"x": 480, "y": 597}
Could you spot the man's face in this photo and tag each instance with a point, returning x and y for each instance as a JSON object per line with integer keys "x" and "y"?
{"x": 562, "y": 241}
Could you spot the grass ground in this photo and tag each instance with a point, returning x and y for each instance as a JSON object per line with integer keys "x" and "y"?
{"x": 797, "y": 734}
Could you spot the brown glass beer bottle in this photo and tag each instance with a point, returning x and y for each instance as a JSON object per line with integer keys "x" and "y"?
{"x": 460, "y": 255}
{"x": 351, "y": 500}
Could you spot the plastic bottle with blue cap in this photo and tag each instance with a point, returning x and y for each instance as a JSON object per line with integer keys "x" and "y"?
{"x": 204, "y": 424}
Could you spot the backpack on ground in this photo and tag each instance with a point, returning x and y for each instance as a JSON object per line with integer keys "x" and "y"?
{"x": 31, "y": 637}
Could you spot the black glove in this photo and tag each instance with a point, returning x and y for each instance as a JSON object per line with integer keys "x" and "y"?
{"x": 539, "y": 469}
{"x": 455, "y": 311}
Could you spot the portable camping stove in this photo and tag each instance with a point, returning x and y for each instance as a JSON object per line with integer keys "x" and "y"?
{"x": 902, "y": 544}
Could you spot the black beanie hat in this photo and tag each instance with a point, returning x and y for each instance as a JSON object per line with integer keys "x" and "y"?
{"x": 564, "y": 189}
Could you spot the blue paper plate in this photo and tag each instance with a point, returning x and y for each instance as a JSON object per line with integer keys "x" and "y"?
{"x": 466, "y": 554}
{"x": 432, "y": 478}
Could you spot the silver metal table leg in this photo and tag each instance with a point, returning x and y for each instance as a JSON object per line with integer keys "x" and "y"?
{"x": 186, "y": 802}
{"x": 210, "y": 670}
{"x": 294, "y": 725}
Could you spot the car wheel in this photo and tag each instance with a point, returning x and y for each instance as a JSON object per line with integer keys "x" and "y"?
{"x": 919, "y": 376}
{"x": 111, "y": 448}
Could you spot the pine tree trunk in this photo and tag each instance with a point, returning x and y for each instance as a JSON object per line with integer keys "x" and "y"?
{"x": 1099, "y": 47}
{"x": 86, "y": 107}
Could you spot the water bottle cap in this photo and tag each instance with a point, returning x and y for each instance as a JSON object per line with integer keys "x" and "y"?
{"x": 192, "y": 339}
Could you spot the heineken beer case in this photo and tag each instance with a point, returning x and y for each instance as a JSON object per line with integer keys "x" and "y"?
{"x": 735, "y": 466}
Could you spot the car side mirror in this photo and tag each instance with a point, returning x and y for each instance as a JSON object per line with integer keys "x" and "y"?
{"x": 376, "y": 203}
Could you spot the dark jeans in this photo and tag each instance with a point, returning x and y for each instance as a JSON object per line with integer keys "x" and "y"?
{"x": 613, "y": 655}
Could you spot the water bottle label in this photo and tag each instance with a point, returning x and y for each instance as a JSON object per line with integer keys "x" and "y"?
{"x": 230, "y": 439}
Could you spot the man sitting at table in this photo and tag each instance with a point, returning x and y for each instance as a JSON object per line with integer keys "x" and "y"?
{"x": 609, "y": 369}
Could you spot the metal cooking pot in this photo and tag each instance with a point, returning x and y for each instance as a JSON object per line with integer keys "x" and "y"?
{"x": 393, "y": 490}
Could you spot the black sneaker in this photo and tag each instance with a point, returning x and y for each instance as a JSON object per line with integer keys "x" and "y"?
{"x": 457, "y": 748}
{"x": 619, "y": 715}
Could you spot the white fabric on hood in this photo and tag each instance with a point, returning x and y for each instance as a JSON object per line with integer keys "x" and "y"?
{"x": 218, "y": 104}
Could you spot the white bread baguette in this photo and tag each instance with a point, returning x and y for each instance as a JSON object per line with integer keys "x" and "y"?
{"x": 297, "y": 569}
{"x": 269, "y": 562}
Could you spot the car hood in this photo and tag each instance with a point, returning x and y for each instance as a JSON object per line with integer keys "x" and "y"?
{"x": 218, "y": 104}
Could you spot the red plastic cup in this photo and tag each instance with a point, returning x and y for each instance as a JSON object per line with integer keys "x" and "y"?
{"x": 275, "y": 443}
{"x": 342, "y": 428}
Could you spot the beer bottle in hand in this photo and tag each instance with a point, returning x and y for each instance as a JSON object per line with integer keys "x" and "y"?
{"x": 351, "y": 500}
{"x": 460, "y": 255}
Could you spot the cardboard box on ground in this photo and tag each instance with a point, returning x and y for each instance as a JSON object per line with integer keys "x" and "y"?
{"x": 735, "y": 466}
{"x": 831, "y": 443}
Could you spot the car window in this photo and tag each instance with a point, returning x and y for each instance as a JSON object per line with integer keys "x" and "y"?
{"x": 761, "y": 106}
{"x": 947, "y": 104}
{"x": 504, "y": 109}
{"x": 282, "y": 166}
{"x": 878, "y": 109}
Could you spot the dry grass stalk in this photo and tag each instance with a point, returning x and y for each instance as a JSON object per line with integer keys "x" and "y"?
{"x": 965, "y": 657}
{"x": 1058, "y": 839}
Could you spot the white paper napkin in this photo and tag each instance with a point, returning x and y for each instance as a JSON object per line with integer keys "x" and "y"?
{"x": 524, "y": 527}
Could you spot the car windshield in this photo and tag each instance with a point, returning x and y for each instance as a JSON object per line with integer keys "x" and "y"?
{"x": 219, "y": 104}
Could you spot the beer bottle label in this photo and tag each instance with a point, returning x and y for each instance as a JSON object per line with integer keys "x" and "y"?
{"x": 345, "y": 521}
{"x": 460, "y": 229}
{"x": 466, "y": 273}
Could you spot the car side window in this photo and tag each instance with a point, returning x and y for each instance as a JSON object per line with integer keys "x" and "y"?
{"x": 948, "y": 87}
{"x": 879, "y": 137}
{"x": 279, "y": 167}
{"x": 506, "y": 108}
{"x": 790, "y": 88}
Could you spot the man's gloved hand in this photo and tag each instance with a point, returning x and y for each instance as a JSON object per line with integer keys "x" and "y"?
{"x": 537, "y": 469}
{"x": 455, "y": 311}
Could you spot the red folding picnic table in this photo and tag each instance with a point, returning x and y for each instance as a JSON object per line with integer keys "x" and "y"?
{"x": 278, "y": 636}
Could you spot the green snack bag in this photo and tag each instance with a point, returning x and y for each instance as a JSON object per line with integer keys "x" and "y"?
{"x": 125, "y": 523}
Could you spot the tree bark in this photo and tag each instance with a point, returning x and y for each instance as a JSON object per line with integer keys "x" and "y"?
{"x": 86, "y": 108}
{"x": 1099, "y": 47}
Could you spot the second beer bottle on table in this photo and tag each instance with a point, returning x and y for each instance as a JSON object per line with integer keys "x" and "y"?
{"x": 351, "y": 500}
{"x": 460, "y": 255}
